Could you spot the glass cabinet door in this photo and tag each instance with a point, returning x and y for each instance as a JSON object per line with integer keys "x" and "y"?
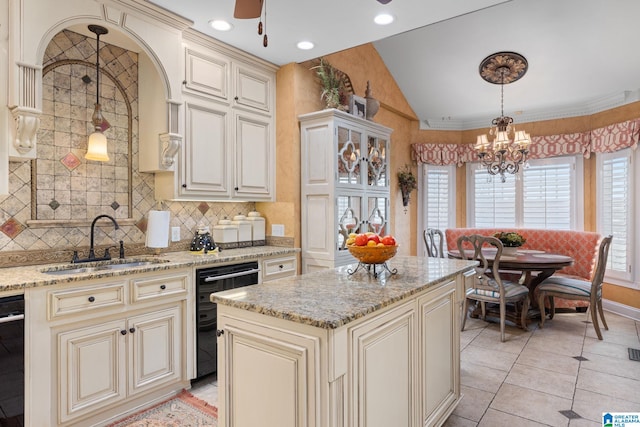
{"x": 377, "y": 174}
{"x": 349, "y": 158}
{"x": 349, "y": 208}
{"x": 377, "y": 220}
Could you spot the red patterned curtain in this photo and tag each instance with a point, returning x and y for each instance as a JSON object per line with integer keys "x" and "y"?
{"x": 615, "y": 137}
{"x": 602, "y": 140}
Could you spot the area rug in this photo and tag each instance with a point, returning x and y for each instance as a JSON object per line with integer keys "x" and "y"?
{"x": 183, "y": 410}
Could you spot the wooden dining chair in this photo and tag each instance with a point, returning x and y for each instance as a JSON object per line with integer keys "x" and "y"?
{"x": 488, "y": 286}
{"x": 576, "y": 289}
{"x": 434, "y": 242}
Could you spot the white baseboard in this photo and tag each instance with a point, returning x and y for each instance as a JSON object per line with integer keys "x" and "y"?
{"x": 621, "y": 309}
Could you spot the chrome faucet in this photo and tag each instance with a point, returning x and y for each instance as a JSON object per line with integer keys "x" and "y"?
{"x": 92, "y": 255}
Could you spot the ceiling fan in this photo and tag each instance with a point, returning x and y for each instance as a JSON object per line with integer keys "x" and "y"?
{"x": 249, "y": 9}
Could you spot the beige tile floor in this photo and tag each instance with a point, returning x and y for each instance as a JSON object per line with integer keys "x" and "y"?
{"x": 534, "y": 377}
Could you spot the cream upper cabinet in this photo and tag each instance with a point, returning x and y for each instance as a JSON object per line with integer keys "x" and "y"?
{"x": 253, "y": 88}
{"x": 345, "y": 184}
{"x": 254, "y": 155}
{"x": 228, "y": 152}
{"x": 207, "y": 73}
{"x": 204, "y": 169}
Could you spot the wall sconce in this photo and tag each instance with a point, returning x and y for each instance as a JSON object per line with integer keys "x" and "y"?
{"x": 97, "y": 142}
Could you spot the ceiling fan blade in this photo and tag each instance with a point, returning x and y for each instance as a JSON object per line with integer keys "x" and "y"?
{"x": 247, "y": 9}
{"x": 384, "y": 1}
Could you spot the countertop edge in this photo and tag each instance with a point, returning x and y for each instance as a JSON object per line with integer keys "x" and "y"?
{"x": 17, "y": 279}
{"x": 229, "y": 298}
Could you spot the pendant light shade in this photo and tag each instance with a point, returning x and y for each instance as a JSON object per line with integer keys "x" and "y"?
{"x": 97, "y": 142}
{"x": 97, "y": 147}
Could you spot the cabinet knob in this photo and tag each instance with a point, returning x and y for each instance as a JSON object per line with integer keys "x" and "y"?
{"x": 163, "y": 287}
{"x": 184, "y": 185}
{"x": 281, "y": 266}
{"x": 236, "y": 188}
{"x": 123, "y": 332}
{"x": 92, "y": 299}
{"x": 132, "y": 330}
{"x": 219, "y": 332}
{"x": 236, "y": 98}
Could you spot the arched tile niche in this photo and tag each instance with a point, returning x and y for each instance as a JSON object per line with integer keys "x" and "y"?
{"x": 67, "y": 189}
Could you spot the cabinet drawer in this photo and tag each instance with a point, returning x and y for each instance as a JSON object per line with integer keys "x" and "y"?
{"x": 149, "y": 288}
{"x": 62, "y": 303}
{"x": 279, "y": 267}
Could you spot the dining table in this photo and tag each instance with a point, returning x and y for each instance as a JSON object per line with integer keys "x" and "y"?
{"x": 529, "y": 265}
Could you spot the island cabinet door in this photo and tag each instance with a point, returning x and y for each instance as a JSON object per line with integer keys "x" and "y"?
{"x": 266, "y": 376}
{"x": 439, "y": 353}
{"x": 382, "y": 370}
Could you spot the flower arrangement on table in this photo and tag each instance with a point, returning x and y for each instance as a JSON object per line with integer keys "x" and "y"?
{"x": 510, "y": 239}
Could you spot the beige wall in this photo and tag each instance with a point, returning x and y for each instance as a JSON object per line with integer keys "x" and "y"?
{"x": 299, "y": 93}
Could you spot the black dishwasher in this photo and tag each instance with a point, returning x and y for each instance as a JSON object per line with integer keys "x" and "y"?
{"x": 12, "y": 361}
{"x": 208, "y": 281}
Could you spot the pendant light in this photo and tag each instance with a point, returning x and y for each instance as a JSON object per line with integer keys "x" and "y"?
{"x": 97, "y": 142}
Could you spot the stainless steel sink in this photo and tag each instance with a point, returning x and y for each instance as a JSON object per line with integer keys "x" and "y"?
{"x": 114, "y": 264}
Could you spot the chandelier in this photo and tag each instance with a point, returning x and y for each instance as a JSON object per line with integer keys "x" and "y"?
{"x": 508, "y": 149}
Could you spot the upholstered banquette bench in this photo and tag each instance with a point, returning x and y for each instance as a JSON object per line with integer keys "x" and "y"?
{"x": 582, "y": 246}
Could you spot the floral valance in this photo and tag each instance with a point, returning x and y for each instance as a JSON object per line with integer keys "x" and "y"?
{"x": 602, "y": 140}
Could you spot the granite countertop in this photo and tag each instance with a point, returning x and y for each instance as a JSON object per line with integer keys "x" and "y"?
{"x": 16, "y": 279}
{"x": 332, "y": 298}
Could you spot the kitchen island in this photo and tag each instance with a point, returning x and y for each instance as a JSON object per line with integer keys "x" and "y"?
{"x": 335, "y": 349}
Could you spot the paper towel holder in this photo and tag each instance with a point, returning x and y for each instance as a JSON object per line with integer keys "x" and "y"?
{"x": 157, "y": 233}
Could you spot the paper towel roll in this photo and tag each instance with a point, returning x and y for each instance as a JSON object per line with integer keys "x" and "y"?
{"x": 158, "y": 229}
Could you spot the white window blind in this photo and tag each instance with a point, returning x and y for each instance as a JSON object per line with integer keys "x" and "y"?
{"x": 438, "y": 188}
{"x": 614, "y": 208}
{"x": 546, "y": 192}
{"x": 494, "y": 201}
{"x": 543, "y": 195}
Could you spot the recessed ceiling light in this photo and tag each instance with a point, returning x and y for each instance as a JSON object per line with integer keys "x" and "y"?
{"x": 305, "y": 45}
{"x": 220, "y": 25}
{"x": 383, "y": 19}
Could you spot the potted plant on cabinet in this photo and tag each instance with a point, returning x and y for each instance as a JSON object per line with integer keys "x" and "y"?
{"x": 335, "y": 85}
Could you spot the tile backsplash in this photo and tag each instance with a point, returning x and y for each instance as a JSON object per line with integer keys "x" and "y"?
{"x": 53, "y": 199}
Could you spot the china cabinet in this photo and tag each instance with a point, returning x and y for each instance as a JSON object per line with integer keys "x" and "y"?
{"x": 345, "y": 184}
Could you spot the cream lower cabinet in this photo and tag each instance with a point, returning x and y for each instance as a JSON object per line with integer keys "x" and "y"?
{"x": 100, "y": 349}
{"x": 106, "y": 363}
{"x": 279, "y": 267}
{"x": 398, "y": 366}
{"x": 439, "y": 353}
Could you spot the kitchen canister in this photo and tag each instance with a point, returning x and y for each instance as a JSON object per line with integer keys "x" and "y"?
{"x": 225, "y": 234}
{"x": 244, "y": 230}
{"x": 257, "y": 228}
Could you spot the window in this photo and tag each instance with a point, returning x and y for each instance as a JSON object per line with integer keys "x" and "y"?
{"x": 437, "y": 196}
{"x": 546, "y": 194}
{"x": 614, "y": 197}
